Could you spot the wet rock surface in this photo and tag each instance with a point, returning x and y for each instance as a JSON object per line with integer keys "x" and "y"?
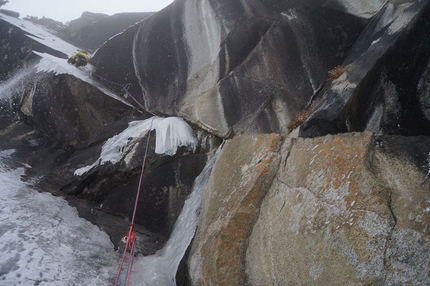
{"x": 342, "y": 199}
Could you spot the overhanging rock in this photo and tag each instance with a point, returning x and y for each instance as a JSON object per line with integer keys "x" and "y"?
{"x": 233, "y": 67}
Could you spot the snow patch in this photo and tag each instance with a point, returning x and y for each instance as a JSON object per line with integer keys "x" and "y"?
{"x": 171, "y": 133}
{"x": 44, "y": 241}
{"x": 40, "y": 35}
{"x": 362, "y": 9}
{"x": 50, "y": 63}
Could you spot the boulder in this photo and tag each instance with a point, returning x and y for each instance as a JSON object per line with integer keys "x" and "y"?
{"x": 350, "y": 208}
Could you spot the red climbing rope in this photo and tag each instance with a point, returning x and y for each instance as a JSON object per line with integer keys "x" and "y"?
{"x": 130, "y": 238}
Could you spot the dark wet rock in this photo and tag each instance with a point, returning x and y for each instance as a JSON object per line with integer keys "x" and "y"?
{"x": 52, "y": 104}
{"x": 385, "y": 87}
{"x": 208, "y": 75}
{"x": 331, "y": 209}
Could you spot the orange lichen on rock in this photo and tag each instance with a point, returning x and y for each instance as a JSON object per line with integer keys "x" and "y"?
{"x": 237, "y": 194}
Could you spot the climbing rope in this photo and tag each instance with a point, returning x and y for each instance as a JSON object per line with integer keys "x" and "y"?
{"x": 124, "y": 88}
{"x": 130, "y": 238}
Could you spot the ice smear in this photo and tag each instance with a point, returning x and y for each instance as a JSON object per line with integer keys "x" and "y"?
{"x": 428, "y": 166}
{"x": 43, "y": 241}
{"x": 171, "y": 133}
{"x": 160, "y": 269}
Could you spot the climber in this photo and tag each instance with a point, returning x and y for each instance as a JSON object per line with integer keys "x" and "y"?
{"x": 79, "y": 58}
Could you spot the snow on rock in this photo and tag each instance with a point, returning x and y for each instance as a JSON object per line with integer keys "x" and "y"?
{"x": 43, "y": 241}
{"x": 171, "y": 133}
{"x": 363, "y": 9}
{"x": 40, "y": 35}
{"x": 49, "y": 63}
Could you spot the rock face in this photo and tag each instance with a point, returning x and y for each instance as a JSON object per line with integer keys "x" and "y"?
{"x": 230, "y": 207}
{"x": 324, "y": 105}
{"x": 344, "y": 211}
{"x": 16, "y": 49}
{"x": 90, "y": 33}
{"x": 210, "y": 73}
{"x": 377, "y": 93}
{"x": 272, "y": 52}
{"x": 87, "y": 18}
{"x": 340, "y": 208}
{"x": 54, "y": 104}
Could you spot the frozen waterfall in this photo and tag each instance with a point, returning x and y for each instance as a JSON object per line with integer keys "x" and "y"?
{"x": 160, "y": 269}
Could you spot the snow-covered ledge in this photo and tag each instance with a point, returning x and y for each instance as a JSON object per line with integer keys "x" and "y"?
{"x": 171, "y": 133}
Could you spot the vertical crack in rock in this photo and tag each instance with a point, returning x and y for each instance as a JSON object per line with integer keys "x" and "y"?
{"x": 387, "y": 262}
{"x": 230, "y": 208}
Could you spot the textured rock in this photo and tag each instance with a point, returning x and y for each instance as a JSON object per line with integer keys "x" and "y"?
{"x": 238, "y": 183}
{"x": 403, "y": 164}
{"x": 349, "y": 209}
{"x": 66, "y": 108}
{"x": 377, "y": 93}
{"x": 207, "y": 70}
{"x": 112, "y": 188}
{"x": 335, "y": 213}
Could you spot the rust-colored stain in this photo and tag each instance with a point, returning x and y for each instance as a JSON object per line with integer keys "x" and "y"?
{"x": 399, "y": 224}
{"x": 338, "y": 163}
{"x": 225, "y": 250}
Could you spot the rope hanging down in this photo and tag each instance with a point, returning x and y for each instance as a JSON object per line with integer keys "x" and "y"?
{"x": 124, "y": 88}
{"x": 130, "y": 238}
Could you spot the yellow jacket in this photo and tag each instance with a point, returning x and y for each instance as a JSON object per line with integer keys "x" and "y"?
{"x": 82, "y": 53}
